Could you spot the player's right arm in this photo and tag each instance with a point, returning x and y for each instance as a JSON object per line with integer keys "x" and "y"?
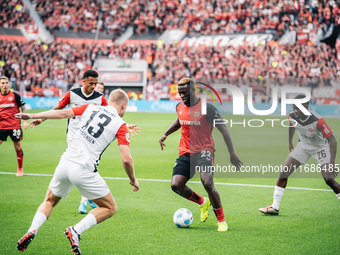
{"x": 128, "y": 165}
{"x": 174, "y": 127}
{"x": 51, "y": 114}
{"x": 65, "y": 100}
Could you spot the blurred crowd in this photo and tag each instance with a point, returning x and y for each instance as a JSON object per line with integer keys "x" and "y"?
{"x": 194, "y": 16}
{"x": 37, "y": 65}
{"x": 13, "y": 13}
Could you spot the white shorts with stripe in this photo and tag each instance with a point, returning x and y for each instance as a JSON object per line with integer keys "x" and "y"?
{"x": 302, "y": 154}
{"x": 68, "y": 174}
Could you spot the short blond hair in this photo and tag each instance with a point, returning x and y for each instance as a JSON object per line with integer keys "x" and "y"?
{"x": 4, "y": 78}
{"x": 186, "y": 81}
{"x": 118, "y": 96}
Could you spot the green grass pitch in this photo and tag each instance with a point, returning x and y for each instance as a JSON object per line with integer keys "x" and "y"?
{"x": 309, "y": 221}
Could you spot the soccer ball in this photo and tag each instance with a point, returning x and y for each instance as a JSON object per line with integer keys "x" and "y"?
{"x": 183, "y": 218}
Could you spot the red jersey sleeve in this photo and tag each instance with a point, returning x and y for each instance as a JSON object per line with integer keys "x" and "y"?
{"x": 322, "y": 127}
{"x": 79, "y": 110}
{"x": 123, "y": 135}
{"x": 104, "y": 101}
{"x": 65, "y": 99}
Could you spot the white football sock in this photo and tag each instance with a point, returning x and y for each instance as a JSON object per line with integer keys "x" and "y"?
{"x": 86, "y": 223}
{"x": 37, "y": 222}
{"x": 84, "y": 199}
{"x": 278, "y": 193}
{"x": 338, "y": 195}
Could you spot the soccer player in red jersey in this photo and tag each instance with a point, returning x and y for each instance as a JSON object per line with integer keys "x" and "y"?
{"x": 10, "y": 104}
{"x": 196, "y": 148}
{"x": 316, "y": 140}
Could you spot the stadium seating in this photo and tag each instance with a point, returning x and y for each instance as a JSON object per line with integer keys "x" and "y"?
{"x": 62, "y": 64}
{"x": 203, "y": 17}
{"x": 13, "y": 13}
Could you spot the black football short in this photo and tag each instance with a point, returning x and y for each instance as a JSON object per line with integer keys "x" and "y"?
{"x": 187, "y": 165}
{"x": 14, "y": 134}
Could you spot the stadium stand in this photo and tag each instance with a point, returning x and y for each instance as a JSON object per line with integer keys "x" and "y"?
{"x": 13, "y": 13}
{"x": 62, "y": 63}
{"x": 203, "y": 17}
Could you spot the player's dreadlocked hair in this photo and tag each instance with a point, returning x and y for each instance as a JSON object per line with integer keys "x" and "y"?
{"x": 186, "y": 81}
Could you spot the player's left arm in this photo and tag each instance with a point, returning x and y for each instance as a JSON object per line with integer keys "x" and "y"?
{"x": 133, "y": 129}
{"x": 332, "y": 147}
{"x": 327, "y": 133}
{"x": 212, "y": 114}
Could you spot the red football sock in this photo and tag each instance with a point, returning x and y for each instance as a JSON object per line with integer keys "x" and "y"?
{"x": 196, "y": 198}
{"x": 20, "y": 158}
{"x": 219, "y": 214}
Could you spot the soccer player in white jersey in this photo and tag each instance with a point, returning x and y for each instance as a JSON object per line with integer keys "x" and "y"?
{"x": 98, "y": 127}
{"x": 87, "y": 94}
{"x": 315, "y": 140}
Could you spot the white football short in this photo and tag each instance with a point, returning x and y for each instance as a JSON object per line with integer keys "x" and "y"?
{"x": 302, "y": 154}
{"x": 68, "y": 174}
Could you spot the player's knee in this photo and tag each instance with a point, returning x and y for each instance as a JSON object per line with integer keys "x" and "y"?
{"x": 176, "y": 187}
{"x": 112, "y": 210}
{"x": 329, "y": 181}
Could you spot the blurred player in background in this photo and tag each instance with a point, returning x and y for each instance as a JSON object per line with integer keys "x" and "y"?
{"x": 99, "y": 126}
{"x": 315, "y": 140}
{"x": 100, "y": 87}
{"x": 196, "y": 148}
{"x": 10, "y": 104}
{"x": 83, "y": 203}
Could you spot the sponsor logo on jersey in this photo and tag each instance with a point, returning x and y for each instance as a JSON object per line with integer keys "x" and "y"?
{"x": 7, "y": 105}
{"x": 189, "y": 122}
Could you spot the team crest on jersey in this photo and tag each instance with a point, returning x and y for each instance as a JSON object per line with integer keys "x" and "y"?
{"x": 196, "y": 114}
{"x": 310, "y": 130}
{"x": 10, "y": 99}
{"x": 180, "y": 112}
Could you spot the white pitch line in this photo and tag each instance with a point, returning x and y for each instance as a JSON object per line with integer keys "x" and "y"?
{"x": 197, "y": 182}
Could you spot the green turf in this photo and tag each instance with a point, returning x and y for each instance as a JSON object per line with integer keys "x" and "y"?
{"x": 308, "y": 222}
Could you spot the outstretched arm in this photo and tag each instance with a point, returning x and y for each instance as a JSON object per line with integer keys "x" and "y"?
{"x": 174, "y": 127}
{"x": 128, "y": 165}
{"x": 227, "y": 139}
{"x": 51, "y": 114}
{"x": 37, "y": 122}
